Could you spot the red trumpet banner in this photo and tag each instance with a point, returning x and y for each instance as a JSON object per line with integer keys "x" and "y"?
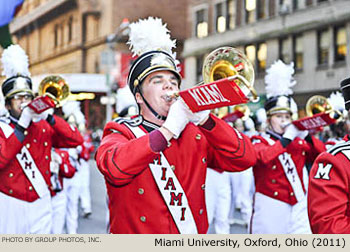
{"x": 314, "y": 122}
{"x": 220, "y": 93}
{"x": 41, "y": 103}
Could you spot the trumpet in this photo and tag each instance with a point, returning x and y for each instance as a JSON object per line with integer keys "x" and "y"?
{"x": 319, "y": 113}
{"x": 53, "y": 90}
{"x": 228, "y": 79}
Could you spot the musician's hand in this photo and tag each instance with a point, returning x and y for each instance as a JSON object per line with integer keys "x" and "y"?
{"x": 291, "y": 132}
{"x": 26, "y": 117}
{"x": 303, "y": 133}
{"x": 43, "y": 115}
{"x": 177, "y": 118}
{"x": 199, "y": 118}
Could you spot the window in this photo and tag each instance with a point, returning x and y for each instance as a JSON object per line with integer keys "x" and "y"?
{"x": 250, "y": 8}
{"x": 323, "y": 44}
{"x": 285, "y": 50}
{"x": 298, "y": 52}
{"x": 199, "y": 66}
{"x": 285, "y": 7}
{"x": 261, "y": 8}
{"x": 70, "y": 29}
{"x": 220, "y": 18}
{"x": 250, "y": 51}
{"x": 261, "y": 56}
{"x": 231, "y": 14}
{"x": 56, "y": 35}
{"x": 340, "y": 43}
{"x": 201, "y": 24}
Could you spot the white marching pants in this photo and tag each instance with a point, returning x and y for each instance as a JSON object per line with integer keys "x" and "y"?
{"x": 22, "y": 217}
{"x": 84, "y": 177}
{"x": 59, "y": 209}
{"x": 242, "y": 184}
{"x": 72, "y": 188}
{"x": 218, "y": 200}
{"x": 273, "y": 216}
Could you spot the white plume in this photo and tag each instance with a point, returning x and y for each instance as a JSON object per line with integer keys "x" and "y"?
{"x": 279, "y": 79}
{"x": 150, "y": 34}
{"x": 337, "y": 101}
{"x": 261, "y": 115}
{"x": 73, "y": 108}
{"x": 15, "y": 62}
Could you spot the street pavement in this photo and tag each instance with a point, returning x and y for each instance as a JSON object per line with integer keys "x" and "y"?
{"x": 97, "y": 222}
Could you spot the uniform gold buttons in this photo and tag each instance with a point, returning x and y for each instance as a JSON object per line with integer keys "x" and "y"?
{"x": 11, "y": 175}
{"x": 47, "y": 172}
{"x": 274, "y": 167}
{"x": 25, "y": 132}
{"x": 45, "y": 143}
{"x": 10, "y": 191}
{"x": 275, "y": 194}
{"x": 141, "y": 191}
{"x": 35, "y": 141}
{"x": 172, "y": 167}
{"x": 300, "y": 142}
{"x": 198, "y": 136}
{"x": 201, "y": 211}
{"x": 203, "y": 187}
{"x": 204, "y": 160}
{"x": 273, "y": 181}
{"x": 47, "y": 157}
{"x": 303, "y": 153}
{"x": 291, "y": 194}
{"x": 143, "y": 218}
{"x": 30, "y": 188}
{"x": 28, "y": 145}
{"x": 44, "y": 130}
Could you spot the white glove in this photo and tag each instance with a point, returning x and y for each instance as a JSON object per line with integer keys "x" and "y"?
{"x": 43, "y": 115}
{"x": 291, "y": 132}
{"x": 198, "y": 117}
{"x": 26, "y": 117}
{"x": 303, "y": 133}
{"x": 177, "y": 118}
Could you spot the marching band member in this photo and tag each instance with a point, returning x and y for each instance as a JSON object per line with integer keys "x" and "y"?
{"x": 329, "y": 188}
{"x": 155, "y": 163}
{"x": 60, "y": 167}
{"x": 26, "y": 139}
{"x": 282, "y": 152}
{"x": 73, "y": 186}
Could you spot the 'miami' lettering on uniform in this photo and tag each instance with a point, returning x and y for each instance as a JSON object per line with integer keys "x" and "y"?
{"x": 162, "y": 242}
{"x": 207, "y": 95}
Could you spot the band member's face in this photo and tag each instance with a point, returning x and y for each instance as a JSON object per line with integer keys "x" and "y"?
{"x": 155, "y": 88}
{"x": 278, "y": 122}
{"x": 15, "y": 107}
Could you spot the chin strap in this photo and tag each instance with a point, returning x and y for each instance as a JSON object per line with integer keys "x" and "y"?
{"x": 158, "y": 116}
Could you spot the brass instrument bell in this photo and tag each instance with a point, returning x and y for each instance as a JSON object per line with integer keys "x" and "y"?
{"x": 55, "y": 87}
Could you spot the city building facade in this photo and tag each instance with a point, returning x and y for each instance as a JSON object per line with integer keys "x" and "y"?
{"x": 84, "y": 37}
{"x": 314, "y": 34}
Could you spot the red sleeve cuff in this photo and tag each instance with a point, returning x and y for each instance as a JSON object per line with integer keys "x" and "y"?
{"x": 209, "y": 124}
{"x": 157, "y": 141}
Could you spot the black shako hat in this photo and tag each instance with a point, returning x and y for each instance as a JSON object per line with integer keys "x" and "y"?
{"x": 17, "y": 84}
{"x": 278, "y": 104}
{"x": 148, "y": 63}
{"x": 345, "y": 89}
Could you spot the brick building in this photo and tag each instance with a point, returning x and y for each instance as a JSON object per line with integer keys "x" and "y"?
{"x": 69, "y": 36}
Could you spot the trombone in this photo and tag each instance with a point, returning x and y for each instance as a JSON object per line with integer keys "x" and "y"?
{"x": 232, "y": 73}
{"x": 319, "y": 114}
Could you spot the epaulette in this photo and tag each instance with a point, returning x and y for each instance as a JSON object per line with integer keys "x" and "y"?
{"x": 133, "y": 122}
{"x": 342, "y": 146}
